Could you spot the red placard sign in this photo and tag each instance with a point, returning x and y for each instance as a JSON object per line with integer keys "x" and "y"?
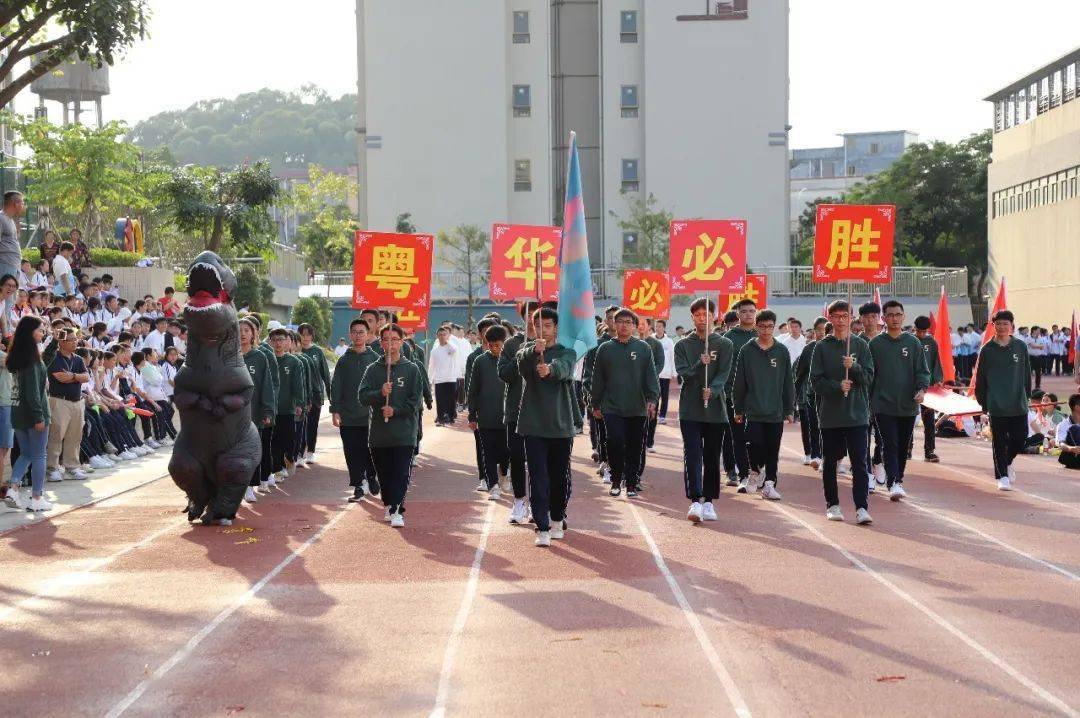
{"x": 854, "y": 242}
{"x": 647, "y": 292}
{"x": 757, "y": 289}
{"x": 513, "y": 261}
{"x": 414, "y": 318}
{"x": 392, "y": 271}
{"x": 708, "y": 255}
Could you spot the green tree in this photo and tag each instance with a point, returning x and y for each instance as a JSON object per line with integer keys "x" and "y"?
{"x": 651, "y": 226}
{"x": 404, "y": 224}
{"x": 315, "y": 311}
{"x": 804, "y": 248}
{"x": 466, "y": 249}
{"x": 85, "y": 173}
{"x": 939, "y": 190}
{"x": 91, "y": 30}
{"x": 218, "y": 205}
{"x": 253, "y": 290}
{"x": 326, "y": 225}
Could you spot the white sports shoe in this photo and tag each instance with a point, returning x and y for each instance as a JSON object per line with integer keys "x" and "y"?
{"x": 495, "y": 494}
{"x": 806, "y": 460}
{"x": 87, "y": 467}
{"x": 815, "y": 463}
{"x": 833, "y": 513}
{"x": 543, "y": 538}
{"x": 694, "y": 513}
{"x": 15, "y": 499}
{"x": 271, "y": 481}
{"x": 366, "y": 486}
{"x": 78, "y": 474}
{"x": 517, "y": 514}
{"x": 843, "y": 470}
{"x": 166, "y": 441}
{"x": 39, "y": 505}
{"x": 879, "y": 475}
{"x": 482, "y": 486}
{"x": 871, "y": 485}
{"x": 607, "y": 474}
{"x": 397, "y": 520}
{"x": 264, "y": 487}
{"x": 250, "y": 496}
{"x": 153, "y": 444}
{"x": 1012, "y": 474}
{"x": 651, "y": 449}
{"x": 128, "y": 455}
{"x": 708, "y": 512}
{"x": 556, "y": 530}
{"x": 769, "y": 491}
{"x": 743, "y": 485}
{"x": 56, "y": 476}
{"x": 662, "y": 420}
{"x": 309, "y": 457}
{"x": 386, "y": 516}
{"x": 1004, "y": 484}
{"x": 862, "y": 516}
{"x": 897, "y": 492}
{"x": 98, "y": 462}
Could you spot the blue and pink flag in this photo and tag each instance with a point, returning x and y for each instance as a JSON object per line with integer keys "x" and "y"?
{"x": 577, "y": 324}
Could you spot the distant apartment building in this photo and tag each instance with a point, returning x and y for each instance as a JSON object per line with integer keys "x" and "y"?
{"x": 822, "y": 172}
{"x": 465, "y": 110}
{"x": 1033, "y": 204}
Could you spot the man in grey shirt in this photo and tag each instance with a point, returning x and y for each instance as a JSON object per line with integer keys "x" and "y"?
{"x": 10, "y": 247}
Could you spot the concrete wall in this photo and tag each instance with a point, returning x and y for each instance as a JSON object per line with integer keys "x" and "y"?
{"x": 1037, "y": 250}
{"x": 136, "y": 282}
{"x": 530, "y": 137}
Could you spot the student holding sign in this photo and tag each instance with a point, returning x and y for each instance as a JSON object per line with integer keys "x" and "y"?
{"x": 841, "y": 373}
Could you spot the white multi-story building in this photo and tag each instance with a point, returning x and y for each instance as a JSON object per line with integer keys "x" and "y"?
{"x": 465, "y": 110}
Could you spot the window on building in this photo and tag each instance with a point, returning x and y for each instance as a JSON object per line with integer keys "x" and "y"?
{"x": 999, "y": 115}
{"x": 828, "y": 169}
{"x": 630, "y": 243}
{"x": 1027, "y": 199}
{"x": 851, "y": 170}
{"x": 1044, "y": 95}
{"x": 1012, "y": 204}
{"x": 1070, "y": 81}
{"x": 874, "y": 148}
{"x": 521, "y": 27}
{"x": 1072, "y": 187}
{"x": 1010, "y": 111}
{"x": 522, "y": 175}
{"x": 522, "y": 100}
{"x": 629, "y": 100}
{"x": 630, "y": 179}
{"x": 1021, "y": 106}
{"x": 1033, "y": 100}
{"x": 1055, "y": 88}
{"x": 628, "y": 26}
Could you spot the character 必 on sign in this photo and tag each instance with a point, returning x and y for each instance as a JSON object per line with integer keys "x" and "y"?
{"x": 647, "y": 292}
{"x": 708, "y": 256}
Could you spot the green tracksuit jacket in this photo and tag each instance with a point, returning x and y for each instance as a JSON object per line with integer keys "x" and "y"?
{"x": 834, "y": 410}
{"x": 1003, "y": 382}
{"x": 405, "y": 397}
{"x": 689, "y": 368}
{"x": 624, "y": 378}
{"x": 345, "y": 387}
{"x": 485, "y": 395}
{"x": 548, "y": 403}
{"x": 899, "y": 373}
{"x": 764, "y": 385}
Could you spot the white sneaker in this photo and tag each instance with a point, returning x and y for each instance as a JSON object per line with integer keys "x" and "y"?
{"x": 397, "y": 520}
{"x": 871, "y": 485}
{"x": 662, "y": 420}
{"x": 39, "y": 505}
{"x": 504, "y": 480}
{"x": 806, "y": 460}
{"x": 607, "y": 475}
{"x": 128, "y": 455}
{"x": 815, "y": 463}
{"x": 862, "y": 516}
{"x": 897, "y": 492}
{"x": 271, "y": 481}
{"x": 743, "y": 485}
{"x": 843, "y": 470}
{"x": 264, "y": 487}
{"x": 1012, "y": 474}
{"x": 650, "y": 449}
{"x": 833, "y": 513}
{"x": 694, "y": 513}
{"x": 99, "y": 463}
{"x": 56, "y": 476}
{"x": 78, "y": 474}
{"x": 250, "y": 496}
{"x": 300, "y": 463}
{"x": 15, "y": 499}
{"x": 769, "y": 491}
{"x": 142, "y": 450}
{"x": 365, "y": 486}
{"x": 556, "y": 530}
{"x": 708, "y": 511}
{"x": 879, "y": 475}
{"x": 482, "y": 486}
{"x": 309, "y": 457}
{"x": 1004, "y": 484}
{"x": 153, "y": 444}
{"x": 543, "y": 538}
{"x": 87, "y": 467}
{"x": 166, "y": 441}
{"x": 495, "y": 494}
{"x": 386, "y": 516}
{"x": 517, "y": 514}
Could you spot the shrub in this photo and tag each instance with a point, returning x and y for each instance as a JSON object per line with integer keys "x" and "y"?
{"x": 316, "y": 312}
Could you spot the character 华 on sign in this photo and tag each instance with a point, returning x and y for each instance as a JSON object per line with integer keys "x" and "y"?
{"x": 514, "y": 252}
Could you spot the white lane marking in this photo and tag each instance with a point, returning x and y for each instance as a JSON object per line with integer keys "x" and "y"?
{"x": 936, "y": 618}
{"x": 452, "y": 645}
{"x": 985, "y": 481}
{"x": 728, "y": 683}
{"x": 193, "y": 643}
{"x": 55, "y": 586}
{"x": 936, "y": 513}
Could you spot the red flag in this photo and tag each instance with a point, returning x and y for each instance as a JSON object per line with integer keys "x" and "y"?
{"x": 933, "y": 325}
{"x": 1072, "y": 341}
{"x": 943, "y": 335}
{"x": 877, "y": 296}
{"x": 1000, "y": 304}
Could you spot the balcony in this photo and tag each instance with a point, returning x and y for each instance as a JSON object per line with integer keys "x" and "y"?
{"x": 719, "y": 10}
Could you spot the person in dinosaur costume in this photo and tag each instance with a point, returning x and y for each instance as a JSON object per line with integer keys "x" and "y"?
{"x": 217, "y": 448}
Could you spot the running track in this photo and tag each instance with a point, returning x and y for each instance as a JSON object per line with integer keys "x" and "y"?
{"x": 962, "y": 601}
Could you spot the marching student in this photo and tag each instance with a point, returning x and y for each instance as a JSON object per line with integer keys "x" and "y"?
{"x": 485, "y": 402}
{"x": 901, "y": 381}
{"x": 870, "y": 317}
{"x": 804, "y": 396}
{"x": 625, "y": 389}
{"x": 395, "y": 406}
{"x": 645, "y": 334}
{"x": 736, "y": 454}
{"x": 841, "y": 382}
{"x": 596, "y": 426}
{"x": 668, "y": 370}
{"x": 702, "y": 363}
{"x": 764, "y": 397}
{"x": 289, "y": 402}
{"x": 417, "y": 358}
{"x": 350, "y": 415}
{"x": 442, "y": 368}
{"x": 321, "y": 383}
{"x": 933, "y": 363}
{"x": 515, "y": 442}
{"x": 546, "y": 420}
{"x": 300, "y": 454}
{"x": 263, "y": 408}
{"x": 482, "y": 326}
{"x": 1002, "y": 388}
{"x": 269, "y": 479}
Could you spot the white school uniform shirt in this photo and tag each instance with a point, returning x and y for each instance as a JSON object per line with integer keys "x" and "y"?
{"x": 974, "y": 342}
{"x": 463, "y": 347}
{"x": 340, "y": 350}
{"x": 579, "y": 369}
{"x": 152, "y": 382}
{"x": 1038, "y": 347}
{"x": 39, "y": 280}
{"x": 155, "y": 340}
{"x": 668, "y": 371}
{"x": 1057, "y": 344}
{"x": 168, "y": 374}
{"x": 442, "y": 366}
{"x": 1062, "y": 432}
{"x": 794, "y": 346}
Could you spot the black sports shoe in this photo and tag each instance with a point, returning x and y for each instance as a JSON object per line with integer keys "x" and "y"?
{"x": 631, "y": 493}
{"x": 358, "y": 494}
{"x": 933, "y": 458}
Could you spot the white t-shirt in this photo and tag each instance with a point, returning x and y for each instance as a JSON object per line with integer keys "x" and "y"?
{"x": 1063, "y": 429}
{"x": 669, "y": 357}
{"x": 340, "y": 349}
{"x": 62, "y": 268}
{"x": 794, "y": 346}
{"x": 155, "y": 340}
{"x": 442, "y": 366}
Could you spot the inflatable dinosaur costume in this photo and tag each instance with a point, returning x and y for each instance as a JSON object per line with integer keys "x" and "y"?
{"x": 218, "y": 447}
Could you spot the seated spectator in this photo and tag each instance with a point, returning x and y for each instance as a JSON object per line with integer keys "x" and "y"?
{"x": 107, "y": 289}
{"x": 1038, "y": 424}
{"x": 41, "y": 278}
{"x": 63, "y": 273}
{"x": 25, "y": 272}
{"x": 169, "y": 306}
{"x": 1068, "y": 435}
{"x": 50, "y": 246}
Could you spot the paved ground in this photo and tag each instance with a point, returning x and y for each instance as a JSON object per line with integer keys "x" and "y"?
{"x": 961, "y": 601}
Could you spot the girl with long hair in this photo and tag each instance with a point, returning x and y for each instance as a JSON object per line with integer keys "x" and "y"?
{"x": 30, "y": 406}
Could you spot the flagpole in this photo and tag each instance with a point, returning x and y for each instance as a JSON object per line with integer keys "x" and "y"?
{"x": 389, "y": 380}
{"x": 539, "y": 298}
{"x": 847, "y": 353}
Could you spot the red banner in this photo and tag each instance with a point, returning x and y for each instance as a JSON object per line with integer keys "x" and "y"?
{"x": 854, "y": 242}
{"x": 757, "y": 289}
{"x": 513, "y": 261}
{"x": 392, "y": 271}
{"x": 415, "y": 319}
{"x": 708, "y": 255}
{"x": 647, "y": 292}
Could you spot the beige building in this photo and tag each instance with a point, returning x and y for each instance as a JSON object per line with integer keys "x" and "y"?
{"x": 1032, "y": 193}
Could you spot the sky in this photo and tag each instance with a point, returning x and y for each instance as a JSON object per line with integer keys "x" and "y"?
{"x": 855, "y": 65}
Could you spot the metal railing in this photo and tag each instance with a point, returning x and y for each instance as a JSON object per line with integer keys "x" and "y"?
{"x": 789, "y": 281}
